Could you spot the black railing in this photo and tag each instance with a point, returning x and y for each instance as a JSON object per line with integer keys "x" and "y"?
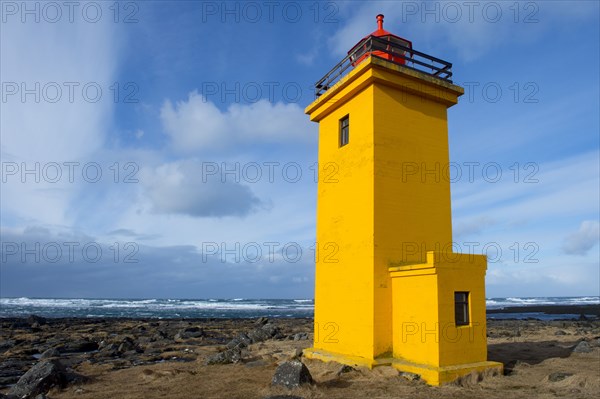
{"x": 374, "y": 46}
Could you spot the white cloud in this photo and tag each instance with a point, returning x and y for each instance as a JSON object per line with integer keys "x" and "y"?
{"x": 572, "y": 181}
{"x": 186, "y": 188}
{"x": 470, "y": 29}
{"x": 180, "y": 271}
{"x": 198, "y": 125}
{"x": 52, "y": 123}
{"x": 584, "y": 239}
{"x": 55, "y": 123}
{"x": 546, "y": 279}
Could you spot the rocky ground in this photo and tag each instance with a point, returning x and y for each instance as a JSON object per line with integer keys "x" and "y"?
{"x": 239, "y": 358}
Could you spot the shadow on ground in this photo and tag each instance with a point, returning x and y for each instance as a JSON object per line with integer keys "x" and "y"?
{"x": 532, "y": 353}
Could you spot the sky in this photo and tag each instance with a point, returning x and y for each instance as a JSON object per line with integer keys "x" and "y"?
{"x": 159, "y": 149}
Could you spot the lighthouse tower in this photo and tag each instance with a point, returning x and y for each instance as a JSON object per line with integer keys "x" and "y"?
{"x": 389, "y": 288}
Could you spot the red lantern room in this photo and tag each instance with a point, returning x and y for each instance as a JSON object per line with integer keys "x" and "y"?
{"x": 394, "y": 50}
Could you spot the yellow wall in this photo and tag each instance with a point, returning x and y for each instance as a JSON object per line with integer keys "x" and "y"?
{"x": 423, "y": 313}
{"x": 389, "y": 288}
{"x": 463, "y": 344}
{"x": 415, "y": 314}
{"x": 412, "y": 210}
{"x": 345, "y": 219}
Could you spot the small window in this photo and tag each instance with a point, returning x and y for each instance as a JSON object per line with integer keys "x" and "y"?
{"x": 344, "y": 130}
{"x": 461, "y": 308}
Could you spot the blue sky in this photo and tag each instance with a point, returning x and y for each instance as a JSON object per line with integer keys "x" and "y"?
{"x": 160, "y": 149}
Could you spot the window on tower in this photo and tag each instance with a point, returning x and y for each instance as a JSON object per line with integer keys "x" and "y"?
{"x": 461, "y": 308}
{"x": 344, "y": 130}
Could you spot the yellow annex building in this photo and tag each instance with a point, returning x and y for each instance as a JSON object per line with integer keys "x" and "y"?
{"x": 393, "y": 292}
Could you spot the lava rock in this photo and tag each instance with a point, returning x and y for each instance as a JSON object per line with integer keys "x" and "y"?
{"x": 345, "y": 369}
{"x": 261, "y": 321}
{"x": 78, "y": 347}
{"x": 582, "y": 347}
{"x": 127, "y": 344}
{"x": 108, "y": 350}
{"x": 558, "y": 376}
{"x": 39, "y": 379}
{"x": 33, "y": 319}
{"x": 292, "y": 374}
{"x": 263, "y": 333}
{"x": 75, "y": 378}
{"x": 560, "y": 332}
{"x": 510, "y": 367}
{"x": 12, "y": 370}
{"x": 241, "y": 341}
{"x": 189, "y": 332}
{"x": 228, "y": 356}
{"x": 7, "y": 344}
{"x": 50, "y": 353}
{"x": 410, "y": 376}
{"x": 301, "y": 336}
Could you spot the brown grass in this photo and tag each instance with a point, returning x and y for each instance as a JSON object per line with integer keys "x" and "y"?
{"x": 539, "y": 351}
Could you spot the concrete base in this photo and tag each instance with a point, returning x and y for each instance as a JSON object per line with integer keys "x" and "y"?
{"x": 431, "y": 374}
{"x": 441, "y": 375}
{"x": 326, "y": 356}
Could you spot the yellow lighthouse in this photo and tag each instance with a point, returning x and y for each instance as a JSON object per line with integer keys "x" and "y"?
{"x": 390, "y": 290}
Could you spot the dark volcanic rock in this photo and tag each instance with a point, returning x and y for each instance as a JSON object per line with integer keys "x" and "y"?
{"x": 410, "y": 376}
{"x": 232, "y": 355}
{"x": 558, "y": 376}
{"x": 49, "y": 353}
{"x": 345, "y": 369}
{"x": 124, "y": 345}
{"x": 510, "y": 367}
{"x": 241, "y": 341}
{"x": 300, "y": 336}
{"x": 582, "y": 347}
{"x": 78, "y": 346}
{"x": 33, "y": 319}
{"x": 263, "y": 333}
{"x": 107, "y": 350}
{"x": 12, "y": 370}
{"x": 189, "y": 332}
{"x": 39, "y": 379}
{"x": 292, "y": 374}
{"x": 75, "y": 378}
{"x": 7, "y": 344}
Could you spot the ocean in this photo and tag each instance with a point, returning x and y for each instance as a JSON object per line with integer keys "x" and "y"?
{"x": 232, "y": 308}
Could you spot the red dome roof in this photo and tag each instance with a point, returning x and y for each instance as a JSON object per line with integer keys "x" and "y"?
{"x": 384, "y": 34}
